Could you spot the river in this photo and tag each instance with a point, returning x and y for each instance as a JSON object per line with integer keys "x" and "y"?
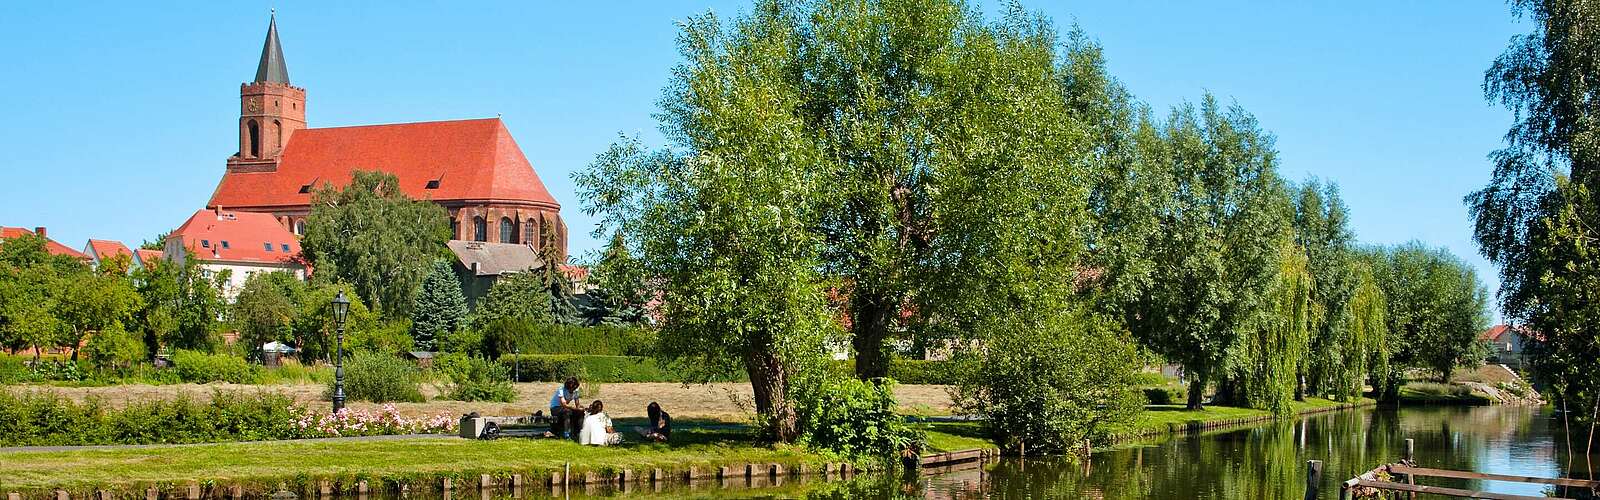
{"x": 1265, "y": 461}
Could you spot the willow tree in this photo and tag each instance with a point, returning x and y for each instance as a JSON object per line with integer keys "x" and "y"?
{"x": 1321, "y": 224}
{"x": 1224, "y": 216}
{"x": 1366, "y": 334}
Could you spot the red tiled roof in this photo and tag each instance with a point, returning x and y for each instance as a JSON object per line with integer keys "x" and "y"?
{"x": 105, "y": 249}
{"x": 49, "y": 245}
{"x": 470, "y": 159}
{"x": 148, "y": 256}
{"x": 237, "y": 237}
{"x": 1494, "y": 333}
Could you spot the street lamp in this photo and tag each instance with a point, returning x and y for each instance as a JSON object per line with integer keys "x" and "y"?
{"x": 341, "y": 308}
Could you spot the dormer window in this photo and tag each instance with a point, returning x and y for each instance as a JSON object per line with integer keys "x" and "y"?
{"x": 205, "y": 243}
{"x": 268, "y": 246}
{"x": 433, "y": 184}
{"x": 224, "y": 244}
{"x": 305, "y": 188}
{"x": 285, "y": 248}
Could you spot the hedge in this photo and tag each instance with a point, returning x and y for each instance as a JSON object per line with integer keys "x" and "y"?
{"x": 531, "y": 337}
{"x": 612, "y": 369}
{"x": 913, "y": 371}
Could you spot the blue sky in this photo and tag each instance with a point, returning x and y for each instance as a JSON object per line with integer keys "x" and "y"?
{"x": 120, "y": 115}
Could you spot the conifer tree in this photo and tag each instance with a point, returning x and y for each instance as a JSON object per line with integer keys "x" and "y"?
{"x": 440, "y": 307}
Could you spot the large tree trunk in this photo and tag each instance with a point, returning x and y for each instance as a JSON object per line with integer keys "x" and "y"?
{"x": 873, "y": 321}
{"x": 769, "y": 381}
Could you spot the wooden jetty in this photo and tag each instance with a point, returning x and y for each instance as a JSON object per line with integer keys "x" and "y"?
{"x": 1402, "y": 477}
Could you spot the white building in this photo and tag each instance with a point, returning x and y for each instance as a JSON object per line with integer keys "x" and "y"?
{"x": 242, "y": 243}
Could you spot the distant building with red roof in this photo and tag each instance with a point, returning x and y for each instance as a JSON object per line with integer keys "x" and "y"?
{"x": 1506, "y": 344}
{"x": 100, "y": 250}
{"x": 473, "y": 168}
{"x": 52, "y": 246}
{"x": 147, "y": 257}
{"x": 242, "y": 243}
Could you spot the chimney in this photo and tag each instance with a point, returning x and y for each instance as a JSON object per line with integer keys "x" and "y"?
{"x": 40, "y": 231}
{"x": 219, "y": 212}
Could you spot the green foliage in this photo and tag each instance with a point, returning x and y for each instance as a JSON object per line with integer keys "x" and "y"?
{"x": 440, "y": 307}
{"x": 1162, "y": 395}
{"x": 914, "y": 371}
{"x": 1339, "y": 354}
{"x": 1051, "y": 381}
{"x": 1435, "y": 309}
{"x": 1558, "y": 303}
{"x": 114, "y": 348}
{"x": 315, "y": 331}
{"x": 857, "y": 419}
{"x": 620, "y": 285}
{"x": 199, "y": 367}
{"x": 51, "y": 301}
{"x": 389, "y": 337}
{"x": 1368, "y": 334}
{"x": 1264, "y": 367}
{"x": 527, "y": 336}
{"x": 371, "y": 235}
{"x": 46, "y": 419}
{"x": 619, "y": 369}
{"x": 379, "y": 378}
{"x": 475, "y": 379}
{"x": 265, "y": 308}
{"x": 516, "y": 296}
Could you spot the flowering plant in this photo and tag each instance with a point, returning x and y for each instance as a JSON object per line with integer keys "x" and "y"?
{"x": 353, "y": 422}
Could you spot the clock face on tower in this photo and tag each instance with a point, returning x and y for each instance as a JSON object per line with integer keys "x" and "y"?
{"x": 254, "y": 107}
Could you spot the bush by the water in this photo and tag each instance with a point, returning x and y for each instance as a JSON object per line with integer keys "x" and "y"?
{"x": 856, "y": 418}
{"x": 200, "y": 368}
{"x": 1164, "y": 395}
{"x": 47, "y": 419}
{"x": 475, "y": 379}
{"x": 379, "y": 378}
{"x": 535, "y": 337}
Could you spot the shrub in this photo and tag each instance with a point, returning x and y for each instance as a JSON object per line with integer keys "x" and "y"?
{"x": 392, "y": 338}
{"x": 557, "y": 367}
{"x": 533, "y": 337}
{"x": 114, "y": 348}
{"x": 476, "y": 379}
{"x": 14, "y": 370}
{"x": 200, "y": 368}
{"x": 1164, "y": 395}
{"x": 62, "y": 370}
{"x": 462, "y": 341}
{"x": 47, "y": 419}
{"x": 379, "y": 378}
{"x": 857, "y": 419}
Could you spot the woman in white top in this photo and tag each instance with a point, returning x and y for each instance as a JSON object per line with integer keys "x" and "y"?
{"x": 597, "y": 427}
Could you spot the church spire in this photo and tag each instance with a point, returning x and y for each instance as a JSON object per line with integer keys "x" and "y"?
{"x": 272, "y": 67}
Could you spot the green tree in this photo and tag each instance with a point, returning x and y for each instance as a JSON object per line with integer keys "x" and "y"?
{"x": 265, "y": 308}
{"x": 114, "y": 348}
{"x": 522, "y": 296}
{"x": 1436, "y": 307}
{"x": 1262, "y": 370}
{"x": 371, "y": 235}
{"x": 1531, "y": 219}
{"x": 440, "y": 307}
{"x": 157, "y": 318}
{"x": 1369, "y": 330}
{"x": 1207, "y": 275}
{"x": 1335, "y": 357}
{"x": 90, "y": 302}
{"x": 315, "y": 331}
{"x": 200, "y": 304}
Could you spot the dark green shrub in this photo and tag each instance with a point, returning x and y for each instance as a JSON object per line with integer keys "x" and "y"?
{"x": 200, "y": 368}
{"x": 856, "y": 418}
{"x": 616, "y": 369}
{"x": 533, "y": 337}
{"x": 47, "y": 419}
{"x": 476, "y": 379}
{"x": 64, "y": 370}
{"x": 1164, "y": 395}
{"x": 391, "y": 337}
{"x": 544, "y": 367}
{"x": 114, "y": 348}
{"x": 379, "y": 378}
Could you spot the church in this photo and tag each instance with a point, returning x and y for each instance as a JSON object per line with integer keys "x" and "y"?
{"x": 473, "y": 168}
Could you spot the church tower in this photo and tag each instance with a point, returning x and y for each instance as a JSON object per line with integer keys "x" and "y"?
{"x": 270, "y": 110}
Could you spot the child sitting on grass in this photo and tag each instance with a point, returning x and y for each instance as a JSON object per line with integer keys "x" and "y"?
{"x": 597, "y": 427}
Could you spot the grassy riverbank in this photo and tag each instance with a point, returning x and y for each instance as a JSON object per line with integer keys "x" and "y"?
{"x": 1164, "y": 419}
{"x": 390, "y": 463}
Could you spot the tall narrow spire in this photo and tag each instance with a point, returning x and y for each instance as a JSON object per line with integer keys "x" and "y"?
{"x": 272, "y": 67}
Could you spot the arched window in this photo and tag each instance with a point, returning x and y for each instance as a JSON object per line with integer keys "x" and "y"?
{"x": 480, "y": 229}
{"x": 530, "y": 231}
{"x": 455, "y": 229}
{"x": 508, "y": 230}
{"x": 300, "y": 227}
{"x": 277, "y": 131}
{"x": 255, "y": 139}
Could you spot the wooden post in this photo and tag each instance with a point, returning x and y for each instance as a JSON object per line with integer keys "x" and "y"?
{"x": 657, "y": 476}
{"x": 775, "y": 470}
{"x": 485, "y": 482}
{"x": 555, "y": 479}
{"x": 361, "y": 487}
{"x": 325, "y": 488}
{"x": 13, "y": 496}
{"x": 193, "y": 491}
{"x": 566, "y": 474}
{"x": 1313, "y": 478}
{"x": 1411, "y": 459}
{"x": 235, "y": 492}
{"x": 150, "y": 493}
{"x": 62, "y": 495}
{"x": 444, "y": 485}
{"x": 691, "y": 474}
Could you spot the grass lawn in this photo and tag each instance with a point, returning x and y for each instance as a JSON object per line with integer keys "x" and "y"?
{"x": 1165, "y": 418}
{"x": 1441, "y": 394}
{"x": 263, "y": 467}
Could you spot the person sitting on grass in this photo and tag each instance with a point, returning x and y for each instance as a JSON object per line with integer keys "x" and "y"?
{"x": 660, "y": 424}
{"x": 597, "y": 427}
{"x": 566, "y": 412}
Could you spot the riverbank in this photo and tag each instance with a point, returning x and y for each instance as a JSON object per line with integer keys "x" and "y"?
{"x": 394, "y": 464}
{"x": 1159, "y": 420}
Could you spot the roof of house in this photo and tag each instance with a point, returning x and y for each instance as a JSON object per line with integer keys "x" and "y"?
{"x": 148, "y": 256}
{"x": 215, "y": 235}
{"x": 494, "y": 259}
{"x": 105, "y": 249}
{"x": 50, "y": 245}
{"x": 1494, "y": 333}
{"x": 473, "y": 160}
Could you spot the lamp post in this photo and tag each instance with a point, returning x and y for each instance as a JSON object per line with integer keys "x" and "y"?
{"x": 341, "y": 307}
